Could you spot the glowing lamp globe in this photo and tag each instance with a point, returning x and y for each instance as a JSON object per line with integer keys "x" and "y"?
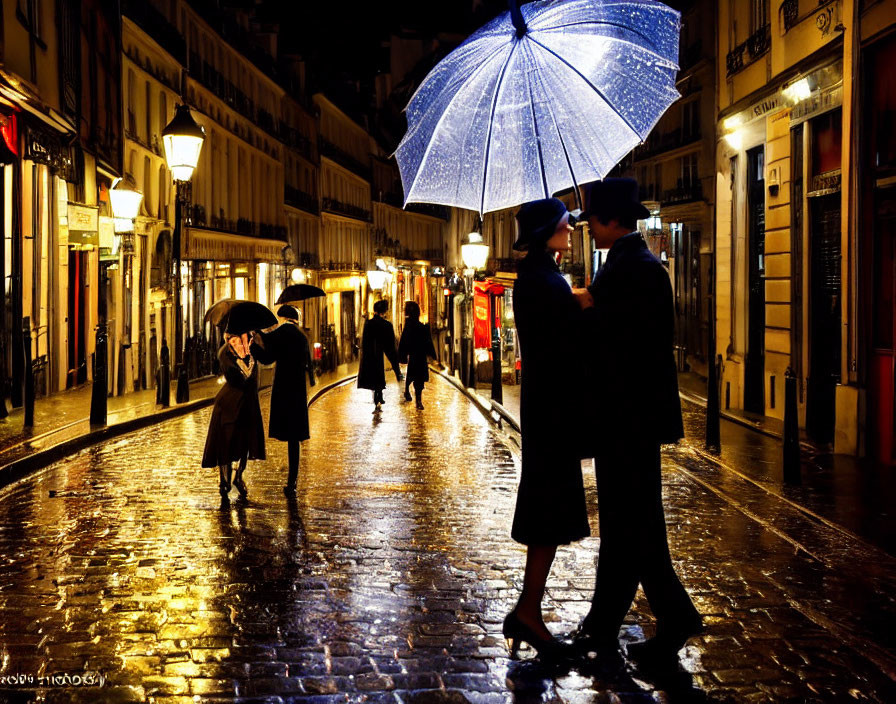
{"x": 125, "y": 201}
{"x": 474, "y": 252}
{"x": 377, "y": 279}
{"x": 183, "y": 139}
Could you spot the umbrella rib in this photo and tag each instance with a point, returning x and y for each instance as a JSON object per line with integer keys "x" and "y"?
{"x": 544, "y": 178}
{"x": 572, "y": 173}
{"x": 588, "y": 81}
{"x": 491, "y": 117}
{"x": 429, "y": 144}
{"x": 618, "y": 25}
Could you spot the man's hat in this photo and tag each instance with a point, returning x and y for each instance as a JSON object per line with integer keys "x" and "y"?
{"x": 288, "y": 312}
{"x": 613, "y": 198}
{"x": 538, "y": 221}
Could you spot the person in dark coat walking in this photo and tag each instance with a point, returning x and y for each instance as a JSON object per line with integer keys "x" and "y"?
{"x": 414, "y": 349}
{"x": 236, "y": 430}
{"x": 550, "y": 505}
{"x": 288, "y": 347}
{"x": 629, "y": 333}
{"x": 377, "y": 339}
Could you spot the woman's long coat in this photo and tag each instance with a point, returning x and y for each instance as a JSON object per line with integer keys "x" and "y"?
{"x": 377, "y": 339}
{"x": 288, "y": 347}
{"x": 236, "y": 429}
{"x": 550, "y": 506}
{"x": 414, "y": 348}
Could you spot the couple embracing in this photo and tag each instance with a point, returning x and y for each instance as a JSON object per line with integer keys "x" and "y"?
{"x": 598, "y": 380}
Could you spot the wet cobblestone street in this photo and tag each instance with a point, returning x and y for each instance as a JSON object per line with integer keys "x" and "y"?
{"x": 388, "y": 577}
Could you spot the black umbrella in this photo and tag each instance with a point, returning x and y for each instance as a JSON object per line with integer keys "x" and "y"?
{"x": 240, "y": 316}
{"x": 294, "y": 293}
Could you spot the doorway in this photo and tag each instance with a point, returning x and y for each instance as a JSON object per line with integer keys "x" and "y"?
{"x": 754, "y": 384}
{"x": 824, "y": 316}
{"x": 77, "y": 318}
{"x": 882, "y": 382}
{"x": 349, "y": 330}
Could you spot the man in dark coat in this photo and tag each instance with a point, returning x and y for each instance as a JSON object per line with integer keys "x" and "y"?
{"x": 288, "y": 347}
{"x": 377, "y": 339}
{"x": 629, "y": 333}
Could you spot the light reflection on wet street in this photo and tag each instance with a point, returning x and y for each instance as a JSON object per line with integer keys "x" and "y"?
{"x": 389, "y": 576}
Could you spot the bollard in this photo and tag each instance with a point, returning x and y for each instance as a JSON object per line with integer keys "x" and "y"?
{"x": 713, "y": 432}
{"x": 183, "y": 381}
{"x": 29, "y": 373}
{"x": 497, "y": 389}
{"x": 99, "y": 392}
{"x": 792, "y": 473}
{"x": 164, "y": 375}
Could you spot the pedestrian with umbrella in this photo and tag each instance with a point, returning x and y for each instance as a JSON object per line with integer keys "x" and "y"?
{"x": 550, "y": 505}
{"x": 288, "y": 348}
{"x": 236, "y": 429}
{"x": 414, "y": 349}
{"x": 377, "y": 341}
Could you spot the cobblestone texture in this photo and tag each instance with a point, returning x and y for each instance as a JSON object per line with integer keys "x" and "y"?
{"x": 387, "y": 580}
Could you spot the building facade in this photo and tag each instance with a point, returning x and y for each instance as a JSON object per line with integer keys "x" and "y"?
{"x": 60, "y": 118}
{"x": 796, "y": 238}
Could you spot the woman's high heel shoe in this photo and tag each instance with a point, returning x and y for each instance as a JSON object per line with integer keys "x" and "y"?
{"x": 241, "y": 486}
{"x": 516, "y": 633}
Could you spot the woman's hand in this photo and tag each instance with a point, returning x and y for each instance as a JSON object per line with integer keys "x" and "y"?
{"x": 584, "y": 297}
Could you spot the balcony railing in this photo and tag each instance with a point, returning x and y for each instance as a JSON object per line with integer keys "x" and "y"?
{"x": 300, "y": 199}
{"x": 352, "y": 211}
{"x": 790, "y": 10}
{"x": 396, "y": 200}
{"x": 242, "y": 226}
{"x": 156, "y": 25}
{"x": 343, "y": 158}
{"x": 666, "y": 141}
{"x": 755, "y": 46}
{"x": 685, "y": 193}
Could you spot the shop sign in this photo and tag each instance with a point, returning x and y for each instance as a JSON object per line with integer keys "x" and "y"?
{"x": 341, "y": 283}
{"x": 107, "y": 232}
{"x": 83, "y": 225}
{"x": 216, "y": 246}
{"x": 46, "y": 147}
{"x": 819, "y": 102}
{"x": 481, "y": 336}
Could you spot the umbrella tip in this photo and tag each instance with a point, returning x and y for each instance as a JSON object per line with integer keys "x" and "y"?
{"x": 517, "y": 16}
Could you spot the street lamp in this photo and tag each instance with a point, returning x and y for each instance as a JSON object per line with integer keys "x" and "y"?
{"x": 474, "y": 254}
{"x": 376, "y": 278}
{"x": 183, "y": 139}
{"x": 125, "y": 202}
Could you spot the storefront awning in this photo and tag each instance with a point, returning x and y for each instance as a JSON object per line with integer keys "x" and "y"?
{"x": 211, "y": 245}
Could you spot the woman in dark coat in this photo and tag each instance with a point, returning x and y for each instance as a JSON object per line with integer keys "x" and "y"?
{"x": 550, "y": 506}
{"x": 414, "y": 349}
{"x": 236, "y": 430}
{"x": 288, "y": 347}
{"x": 377, "y": 339}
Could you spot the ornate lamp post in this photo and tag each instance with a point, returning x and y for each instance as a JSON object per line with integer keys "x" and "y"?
{"x": 474, "y": 254}
{"x": 182, "y": 139}
{"x": 125, "y": 208}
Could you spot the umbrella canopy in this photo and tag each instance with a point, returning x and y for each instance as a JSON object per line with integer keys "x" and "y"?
{"x": 294, "y": 293}
{"x": 240, "y": 316}
{"x": 541, "y": 99}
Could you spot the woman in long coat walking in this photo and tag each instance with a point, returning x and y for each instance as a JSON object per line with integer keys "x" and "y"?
{"x": 414, "y": 349}
{"x": 236, "y": 430}
{"x": 550, "y": 506}
{"x": 377, "y": 339}
{"x": 288, "y": 347}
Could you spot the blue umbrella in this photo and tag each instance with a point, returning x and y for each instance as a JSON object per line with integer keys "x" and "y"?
{"x": 543, "y": 98}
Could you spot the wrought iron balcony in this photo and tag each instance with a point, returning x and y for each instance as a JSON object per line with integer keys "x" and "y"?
{"x": 352, "y": 211}
{"x": 300, "y": 199}
{"x": 684, "y": 193}
{"x": 156, "y": 25}
{"x": 343, "y": 158}
{"x": 755, "y": 46}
